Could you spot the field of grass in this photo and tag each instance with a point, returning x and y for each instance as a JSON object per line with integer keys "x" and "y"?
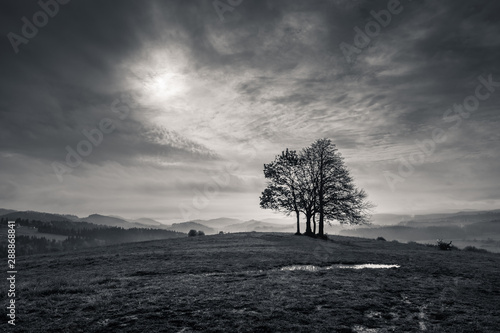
{"x": 234, "y": 283}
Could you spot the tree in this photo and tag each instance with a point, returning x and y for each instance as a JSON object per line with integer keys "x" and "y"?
{"x": 337, "y": 198}
{"x": 192, "y": 233}
{"x": 282, "y": 192}
{"x": 307, "y": 185}
{"x": 314, "y": 182}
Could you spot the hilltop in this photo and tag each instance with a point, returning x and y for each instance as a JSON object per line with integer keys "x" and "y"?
{"x": 235, "y": 282}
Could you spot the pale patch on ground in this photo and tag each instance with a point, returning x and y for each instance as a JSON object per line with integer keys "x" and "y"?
{"x": 312, "y": 268}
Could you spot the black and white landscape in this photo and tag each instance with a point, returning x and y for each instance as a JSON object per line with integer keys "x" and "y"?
{"x": 250, "y": 166}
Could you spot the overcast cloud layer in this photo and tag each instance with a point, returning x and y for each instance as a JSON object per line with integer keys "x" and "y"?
{"x": 198, "y": 104}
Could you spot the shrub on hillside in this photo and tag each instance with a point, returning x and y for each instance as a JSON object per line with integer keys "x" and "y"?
{"x": 381, "y": 239}
{"x": 192, "y": 233}
{"x": 221, "y": 232}
{"x": 201, "y": 233}
{"x": 442, "y": 245}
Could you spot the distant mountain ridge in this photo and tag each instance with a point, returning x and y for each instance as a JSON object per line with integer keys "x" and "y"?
{"x": 6, "y": 211}
{"x": 480, "y": 230}
{"x": 254, "y": 225}
{"x": 186, "y": 226}
{"x": 148, "y": 221}
{"x": 462, "y": 217}
{"x": 218, "y": 223}
{"x": 39, "y": 216}
{"x": 110, "y": 221}
{"x": 455, "y": 219}
{"x": 225, "y": 224}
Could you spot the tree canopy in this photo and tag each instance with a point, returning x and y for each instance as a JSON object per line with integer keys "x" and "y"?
{"x": 314, "y": 182}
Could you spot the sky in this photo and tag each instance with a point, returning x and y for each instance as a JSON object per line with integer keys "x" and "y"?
{"x": 169, "y": 109}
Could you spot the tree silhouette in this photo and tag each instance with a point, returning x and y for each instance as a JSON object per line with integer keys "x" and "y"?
{"x": 338, "y": 198}
{"x": 282, "y": 191}
{"x": 314, "y": 182}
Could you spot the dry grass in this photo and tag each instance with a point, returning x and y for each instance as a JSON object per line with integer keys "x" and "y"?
{"x": 232, "y": 283}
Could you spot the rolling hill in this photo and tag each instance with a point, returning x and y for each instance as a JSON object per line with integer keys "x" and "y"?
{"x": 186, "y": 226}
{"x": 218, "y": 223}
{"x": 257, "y": 282}
{"x": 6, "y": 211}
{"x": 39, "y": 216}
{"x": 147, "y": 221}
{"x": 253, "y": 225}
{"x": 456, "y": 219}
{"x": 109, "y": 221}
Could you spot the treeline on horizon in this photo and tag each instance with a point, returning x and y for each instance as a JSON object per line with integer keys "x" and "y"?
{"x": 79, "y": 235}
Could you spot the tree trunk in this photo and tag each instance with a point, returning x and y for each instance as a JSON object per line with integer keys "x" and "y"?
{"x": 298, "y": 222}
{"x": 321, "y": 213}
{"x": 314, "y": 223}
{"x": 308, "y": 225}
{"x": 321, "y": 225}
{"x": 321, "y": 198}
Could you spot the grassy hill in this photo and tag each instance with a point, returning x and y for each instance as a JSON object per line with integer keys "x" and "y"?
{"x": 234, "y": 283}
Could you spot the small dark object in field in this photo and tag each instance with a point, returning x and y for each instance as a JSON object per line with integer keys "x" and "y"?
{"x": 201, "y": 233}
{"x": 443, "y": 245}
{"x": 221, "y": 232}
{"x": 192, "y": 233}
{"x": 381, "y": 239}
{"x": 475, "y": 249}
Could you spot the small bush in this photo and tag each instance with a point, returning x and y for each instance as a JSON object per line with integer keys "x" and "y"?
{"x": 201, "y": 233}
{"x": 381, "y": 239}
{"x": 442, "y": 245}
{"x": 475, "y": 249}
{"x": 192, "y": 233}
{"x": 221, "y": 232}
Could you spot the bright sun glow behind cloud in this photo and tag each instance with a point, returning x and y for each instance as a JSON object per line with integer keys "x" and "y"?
{"x": 165, "y": 85}
{"x": 158, "y": 75}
